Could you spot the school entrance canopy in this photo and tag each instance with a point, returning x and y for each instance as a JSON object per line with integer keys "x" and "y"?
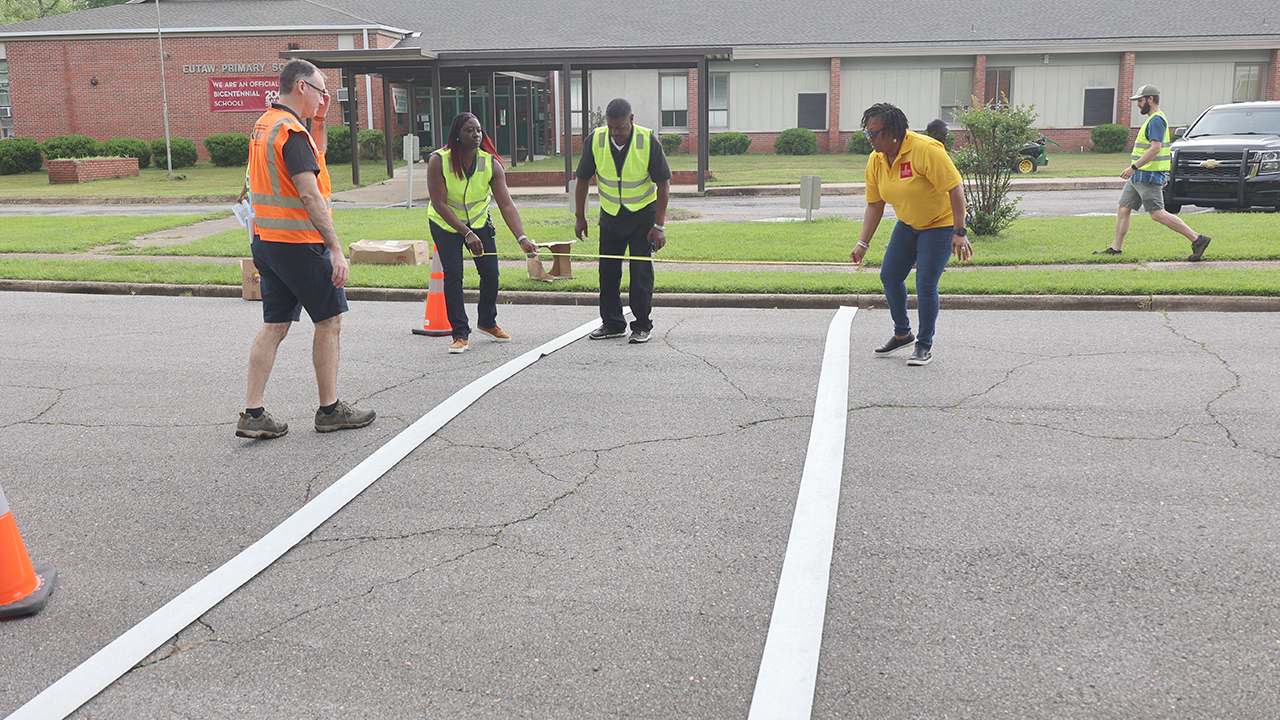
{"x": 495, "y": 71}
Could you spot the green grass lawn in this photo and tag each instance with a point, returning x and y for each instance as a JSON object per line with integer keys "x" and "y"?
{"x": 1019, "y": 261}
{"x": 199, "y": 180}
{"x": 771, "y": 169}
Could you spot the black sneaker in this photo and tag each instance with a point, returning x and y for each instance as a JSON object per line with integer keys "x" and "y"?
{"x": 264, "y": 427}
{"x": 639, "y": 336}
{"x": 919, "y": 356}
{"x": 343, "y": 417}
{"x": 894, "y": 345}
{"x": 1197, "y": 248}
{"x": 1108, "y": 251}
{"x": 604, "y": 333}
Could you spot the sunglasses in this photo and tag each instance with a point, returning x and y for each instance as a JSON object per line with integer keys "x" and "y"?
{"x": 871, "y": 134}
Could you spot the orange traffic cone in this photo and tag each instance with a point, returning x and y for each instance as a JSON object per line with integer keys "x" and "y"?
{"x": 436, "y": 322}
{"x": 23, "y": 589}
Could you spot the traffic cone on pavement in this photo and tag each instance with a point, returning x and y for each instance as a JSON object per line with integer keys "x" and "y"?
{"x": 436, "y": 322}
{"x": 23, "y": 589}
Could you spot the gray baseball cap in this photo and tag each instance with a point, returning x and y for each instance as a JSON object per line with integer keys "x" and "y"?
{"x": 1144, "y": 91}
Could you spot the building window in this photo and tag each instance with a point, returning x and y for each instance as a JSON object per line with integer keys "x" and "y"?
{"x": 811, "y": 111}
{"x": 718, "y": 100}
{"x": 575, "y": 99}
{"x": 4, "y": 83}
{"x": 674, "y": 94}
{"x": 999, "y": 86}
{"x": 6, "y": 112}
{"x": 1099, "y": 106}
{"x": 1248, "y": 85}
{"x": 957, "y": 93}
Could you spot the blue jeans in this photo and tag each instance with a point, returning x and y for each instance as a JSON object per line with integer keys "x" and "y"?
{"x": 928, "y": 251}
{"x": 451, "y": 247}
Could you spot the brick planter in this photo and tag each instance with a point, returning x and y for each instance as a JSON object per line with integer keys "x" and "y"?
{"x": 87, "y": 169}
{"x": 555, "y": 178}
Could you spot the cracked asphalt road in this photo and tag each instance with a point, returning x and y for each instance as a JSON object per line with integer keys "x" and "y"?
{"x": 1065, "y": 515}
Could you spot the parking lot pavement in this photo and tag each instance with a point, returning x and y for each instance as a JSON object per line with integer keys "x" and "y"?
{"x": 1067, "y": 514}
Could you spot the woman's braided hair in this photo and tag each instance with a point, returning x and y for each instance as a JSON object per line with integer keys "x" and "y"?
{"x": 891, "y": 119}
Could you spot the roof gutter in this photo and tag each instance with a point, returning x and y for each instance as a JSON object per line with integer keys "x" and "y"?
{"x": 200, "y": 31}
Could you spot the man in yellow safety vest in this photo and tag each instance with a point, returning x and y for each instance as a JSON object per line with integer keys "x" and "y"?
{"x": 633, "y": 182}
{"x": 1147, "y": 174}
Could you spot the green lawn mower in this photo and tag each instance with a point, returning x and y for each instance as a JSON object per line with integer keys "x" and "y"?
{"x": 1033, "y": 156}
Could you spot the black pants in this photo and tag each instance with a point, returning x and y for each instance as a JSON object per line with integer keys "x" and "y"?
{"x": 451, "y": 247}
{"x": 641, "y": 292}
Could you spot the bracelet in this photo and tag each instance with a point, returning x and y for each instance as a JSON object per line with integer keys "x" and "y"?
{"x": 469, "y": 233}
{"x": 864, "y": 245}
{"x": 318, "y": 118}
{"x": 659, "y": 228}
{"x": 522, "y": 237}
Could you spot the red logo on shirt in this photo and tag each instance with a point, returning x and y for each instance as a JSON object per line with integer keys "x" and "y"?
{"x": 906, "y": 171}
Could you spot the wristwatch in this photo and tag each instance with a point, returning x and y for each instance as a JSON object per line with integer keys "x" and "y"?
{"x": 962, "y": 232}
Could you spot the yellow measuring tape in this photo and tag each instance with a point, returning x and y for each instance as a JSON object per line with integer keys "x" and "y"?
{"x": 573, "y": 256}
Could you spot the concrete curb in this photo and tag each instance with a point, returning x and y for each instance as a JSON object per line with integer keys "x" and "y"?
{"x": 1152, "y": 303}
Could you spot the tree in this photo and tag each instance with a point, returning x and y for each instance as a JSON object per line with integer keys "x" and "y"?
{"x": 12, "y": 11}
{"x": 995, "y": 134}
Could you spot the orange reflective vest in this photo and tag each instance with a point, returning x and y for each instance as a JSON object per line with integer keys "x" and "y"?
{"x": 277, "y": 208}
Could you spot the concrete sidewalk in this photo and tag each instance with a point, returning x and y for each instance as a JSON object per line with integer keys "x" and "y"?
{"x": 395, "y": 191}
{"x": 1065, "y": 515}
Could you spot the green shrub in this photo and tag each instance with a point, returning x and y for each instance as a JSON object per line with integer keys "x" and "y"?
{"x": 796, "y": 141}
{"x": 19, "y": 155}
{"x": 69, "y": 146}
{"x": 729, "y": 143}
{"x": 228, "y": 149}
{"x": 671, "y": 142}
{"x": 127, "y": 147}
{"x": 859, "y": 144}
{"x": 372, "y": 142}
{"x": 1110, "y": 138}
{"x": 182, "y": 149}
{"x": 339, "y": 150}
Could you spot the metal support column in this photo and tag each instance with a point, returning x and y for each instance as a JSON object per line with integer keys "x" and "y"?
{"x": 532, "y": 111}
{"x": 386, "y": 127}
{"x": 353, "y": 125}
{"x": 567, "y": 110}
{"x": 704, "y": 118}
{"x": 511, "y": 123}
{"x": 437, "y": 108}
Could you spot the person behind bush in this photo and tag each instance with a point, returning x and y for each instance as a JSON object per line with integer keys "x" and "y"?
{"x": 915, "y": 175}
{"x": 1146, "y": 176}
{"x": 296, "y": 250}
{"x": 462, "y": 178}
{"x": 937, "y": 130}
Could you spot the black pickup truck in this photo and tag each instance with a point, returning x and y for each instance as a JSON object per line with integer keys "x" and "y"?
{"x": 1228, "y": 158}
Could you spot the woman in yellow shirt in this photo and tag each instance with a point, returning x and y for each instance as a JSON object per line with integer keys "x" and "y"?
{"x": 914, "y": 174}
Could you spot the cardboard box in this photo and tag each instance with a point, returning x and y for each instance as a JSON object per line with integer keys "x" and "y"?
{"x": 249, "y": 289}
{"x": 390, "y": 252}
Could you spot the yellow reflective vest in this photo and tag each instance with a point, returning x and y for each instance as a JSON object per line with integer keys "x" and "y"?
{"x": 278, "y": 210}
{"x": 468, "y": 197}
{"x": 1162, "y": 161}
{"x": 634, "y": 189}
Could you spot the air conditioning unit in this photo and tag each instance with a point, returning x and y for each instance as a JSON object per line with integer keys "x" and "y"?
{"x": 6, "y": 112}
{"x": 342, "y": 94}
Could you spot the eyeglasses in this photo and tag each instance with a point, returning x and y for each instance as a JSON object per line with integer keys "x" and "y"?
{"x": 871, "y": 134}
{"x": 313, "y": 87}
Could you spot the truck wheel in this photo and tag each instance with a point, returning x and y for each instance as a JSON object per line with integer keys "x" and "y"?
{"x": 1174, "y": 208}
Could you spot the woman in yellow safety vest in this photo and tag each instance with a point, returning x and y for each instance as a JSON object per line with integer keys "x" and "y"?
{"x": 463, "y": 178}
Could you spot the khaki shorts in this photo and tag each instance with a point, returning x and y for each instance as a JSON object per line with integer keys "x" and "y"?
{"x": 1137, "y": 196}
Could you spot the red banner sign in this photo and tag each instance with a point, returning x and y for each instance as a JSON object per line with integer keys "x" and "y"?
{"x": 243, "y": 94}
